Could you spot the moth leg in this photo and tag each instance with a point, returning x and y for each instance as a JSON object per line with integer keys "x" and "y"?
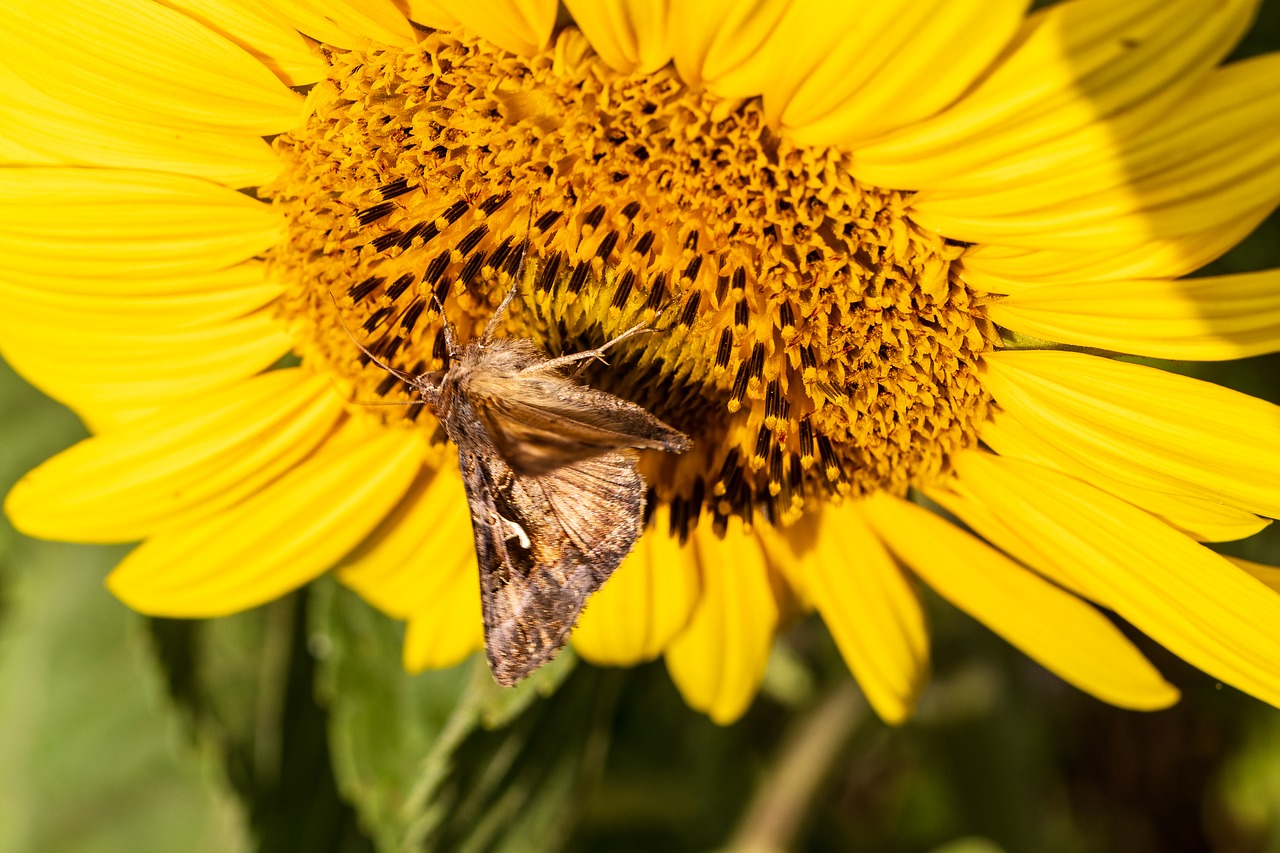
{"x": 511, "y": 530}
{"x": 492, "y": 325}
{"x": 583, "y": 365}
{"x": 598, "y": 352}
{"x": 487, "y": 335}
{"x": 446, "y": 327}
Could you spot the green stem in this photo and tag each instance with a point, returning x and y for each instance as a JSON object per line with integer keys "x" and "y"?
{"x": 807, "y": 755}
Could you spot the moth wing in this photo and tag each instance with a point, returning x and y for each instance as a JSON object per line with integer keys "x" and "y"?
{"x": 578, "y": 523}
{"x": 539, "y": 422}
{"x": 498, "y": 569}
{"x": 595, "y": 506}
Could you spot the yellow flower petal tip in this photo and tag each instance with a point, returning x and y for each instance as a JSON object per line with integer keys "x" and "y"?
{"x": 872, "y": 609}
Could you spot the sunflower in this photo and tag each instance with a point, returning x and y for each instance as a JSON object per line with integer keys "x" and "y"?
{"x": 891, "y": 250}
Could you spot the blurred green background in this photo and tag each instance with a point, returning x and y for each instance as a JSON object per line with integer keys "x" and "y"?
{"x": 292, "y": 728}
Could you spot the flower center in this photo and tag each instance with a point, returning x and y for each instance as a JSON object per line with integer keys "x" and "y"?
{"x": 808, "y": 337}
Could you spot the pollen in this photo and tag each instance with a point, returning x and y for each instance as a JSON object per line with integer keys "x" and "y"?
{"x": 812, "y": 341}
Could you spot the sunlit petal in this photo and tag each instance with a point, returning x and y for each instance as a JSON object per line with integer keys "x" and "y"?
{"x": 190, "y": 460}
{"x": 353, "y": 24}
{"x": 1074, "y": 65}
{"x": 1055, "y": 628}
{"x": 282, "y": 536}
{"x": 1203, "y": 319}
{"x": 261, "y": 31}
{"x": 865, "y": 69}
{"x": 872, "y": 610}
{"x": 630, "y": 35}
{"x": 138, "y": 60}
{"x": 1202, "y": 166}
{"x": 420, "y": 565}
{"x": 116, "y": 223}
{"x": 1146, "y": 427}
{"x": 1201, "y": 518}
{"x": 72, "y": 135}
{"x": 520, "y": 26}
{"x": 646, "y": 602}
{"x": 1012, "y": 269}
{"x": 1186, "y": 597}
{"x": 719, "y": 658}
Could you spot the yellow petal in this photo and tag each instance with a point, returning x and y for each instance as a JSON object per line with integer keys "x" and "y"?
{"x": 263, "y": 33}
{"x": 16, "y": 147}
{"x": 189, "y": 460}
{"x": 646, "y": 602}
{"x": 787, "y": 551}
{"x": 420, "y": 565}
{"x": 517, "y": 26}
{"x": 1057, "y": 629}
{"x": 630, "y": 35}
{"x": 782, "y": 56}
{"x": 432, "y": 13}
{"x": 140, "y": 61}
{"x": 127, "y": 232}
{"x": 350, "y": 24}
{"x": 1146, "y": 427}
{"x": 718, "y": 660}
{"x": 116, "y": 223}
{"x": 712, "y": 40}
{"x": 1012, "y": 269}
{"x": 1213, "y": 159}
{"x": 425, "y": 541}
{"x": 1021, "y": 543}
{"x": 219, "y": 286}
{"x": 1184, "y": 596}
{"x": 99, "y": 368}
{"x": 448, "y": 627}
{"x": 277, "y": 539}
{"x": 1074, "y": 66}
{"x": 1269, "y": 575}
{"x": 872, "y": 610}
{"x": 1198, "y": 319}
{"x": 214, "y": 300}
{"x": 65, "y": 134}
{"x": 874, "y": 66}
{"x": 1199, "y": 518}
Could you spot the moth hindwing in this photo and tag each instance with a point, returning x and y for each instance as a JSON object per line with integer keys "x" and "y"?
{"x": 549, "y": 468}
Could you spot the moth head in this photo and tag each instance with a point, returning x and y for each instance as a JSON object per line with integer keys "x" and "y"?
{"x": 428, "y": 386}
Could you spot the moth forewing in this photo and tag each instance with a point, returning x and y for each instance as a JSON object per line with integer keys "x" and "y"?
{"x": 539, "y": 420}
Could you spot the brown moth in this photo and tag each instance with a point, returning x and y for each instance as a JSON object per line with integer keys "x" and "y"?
{"x": 549, "y": 468}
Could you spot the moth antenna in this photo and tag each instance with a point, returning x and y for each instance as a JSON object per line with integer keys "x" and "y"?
{"x": 400, "y": 374}
{"x": 491, "y": 327}
{"x": 356, "y": 402}
{"x": 387, "y": 402}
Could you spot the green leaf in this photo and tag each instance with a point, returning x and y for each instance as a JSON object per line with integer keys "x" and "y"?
{"x": 92, "y": 758}
{"x": 382, "y": 724}
{"x": 247, "y": 684}
{"x": 448, "y": 760}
